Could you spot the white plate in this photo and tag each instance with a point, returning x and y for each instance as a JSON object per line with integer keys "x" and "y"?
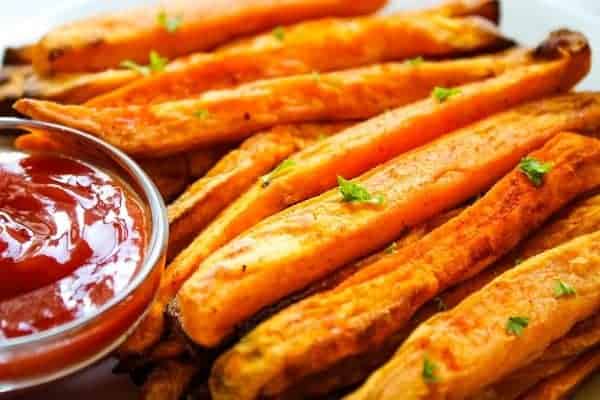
{"x": 529, "y": 21}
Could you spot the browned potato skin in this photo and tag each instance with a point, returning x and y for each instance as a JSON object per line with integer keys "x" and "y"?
{"x": 561, "y": 385}
{"x": 233, "y": 114}
{"x": 465, "y": 342}
{"x": 104, "y": 41}
{"x": 307, "y": 47}
{"x": 168, "y": 381}
{"x": 233, "y": 174}
{"x": 353, "y": 320}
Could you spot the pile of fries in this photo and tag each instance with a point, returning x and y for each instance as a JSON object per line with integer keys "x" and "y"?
{"x": 399, "y": 206}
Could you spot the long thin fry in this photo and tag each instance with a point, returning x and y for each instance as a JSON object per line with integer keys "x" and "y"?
{"x": 362, "y": 147}
{"x": 352, "y": 320}
{"x": 307, "y": 47}
{"x": 496, "y": 330}
{"x": 102, "y": 42}
{"x": 233, "y": 174}
{"x": 560, "y": 386}
{"x": 232, "y": 114}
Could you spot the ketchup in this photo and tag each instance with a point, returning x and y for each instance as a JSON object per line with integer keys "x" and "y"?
{"x": 71, "y": 237}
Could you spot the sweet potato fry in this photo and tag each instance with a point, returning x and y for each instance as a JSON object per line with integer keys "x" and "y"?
{"x": 102, "y": 42}
{"x": 306, "y": 48}
{"x": 582, "y": 337}
{"x": 352, "y": 320}
{"x": 561, "y": 385}
{"x": 317, "y": 223}
{"x": 519, "y": 382}
{"x": 76, "y": 88}
{"x": 374, "y": 142}
{"x": 505, "y": 325}
{"x": 231, "y": 176}
{"x": 578, "y": 219}
{"x": 168, "y": 381}
{"x": 232, "y": 114}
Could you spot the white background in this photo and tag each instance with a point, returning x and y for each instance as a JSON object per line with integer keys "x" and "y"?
{"x": 23, "y": 21}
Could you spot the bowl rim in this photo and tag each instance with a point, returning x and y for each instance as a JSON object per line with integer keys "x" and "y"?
{"x": 155, "y": 248}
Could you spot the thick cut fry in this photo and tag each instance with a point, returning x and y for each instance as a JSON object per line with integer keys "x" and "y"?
{"x": 226, "y": 115}
{"x": 519, "y": 382}
{"x": 578, "y": 219}
{"x": 307, "y": 47}
{"x": 561, "y": 385}
{"x": 231, "y": 176}
{"x": 168, "y": 381}
{"x": 373, "y": 142}
{"x": 352, "y": 320}
{"x": 322, "y": 225}
{"x": 479, "y": 341}
{"x": 102, "y": 42}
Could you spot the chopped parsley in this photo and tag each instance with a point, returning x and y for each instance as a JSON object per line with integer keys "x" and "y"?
{"x": 157, "y": 64}
{"x": 353, "y": 192}
{"x": 170, "y": 23}
{"x": 429, "y": 369}
{"x": 442, "y": 94}
{"x": 534, "y": 170}
{"x": 415, "y": 61}
{"x": 202, "y": 113}
{"x": 440, "y": 304}
{"x": 562, "y": 288}
{"x": 279, "y": 33}
{"x": 516, "y": 325}
{"x": 284, "y": 166}
{"x": 392, "y": 248}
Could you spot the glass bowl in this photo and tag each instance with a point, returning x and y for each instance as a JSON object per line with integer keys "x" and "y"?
{"x": 42, "y": 357}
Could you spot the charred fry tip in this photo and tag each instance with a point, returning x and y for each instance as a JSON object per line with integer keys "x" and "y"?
{"x": 562, "y": 41}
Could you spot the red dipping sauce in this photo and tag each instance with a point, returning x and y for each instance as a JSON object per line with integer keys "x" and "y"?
{"x": 71, "y": 237}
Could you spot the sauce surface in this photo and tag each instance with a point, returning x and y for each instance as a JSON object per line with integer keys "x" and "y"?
{"x": 71, "y": 237}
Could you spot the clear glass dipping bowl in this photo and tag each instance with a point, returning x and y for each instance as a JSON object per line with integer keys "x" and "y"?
{"x": 49, "y": 355}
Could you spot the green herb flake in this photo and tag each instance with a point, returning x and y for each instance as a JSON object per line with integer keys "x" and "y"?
{"x": 279, "y": 33}
{"x": 442, "y": 94}
{"x": 535, "y": 170}
{"x": 516, "y": 325}
{"x": 429, "y": 371}
{"x": 157, "y": 63}
{"x": 170, "y": 23}
{"x": 202, "y": 113}
{"x": 440, "y": 304}
{"x": 392, "y": 248}
{"x": 132, "y": 65}
{"x": 562, "y": 288}
{"x": 353, "y": 192}
{"x": 415, "y": 62}
{"x": 518, "y": 261}
{"x": 284, "y": 166}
